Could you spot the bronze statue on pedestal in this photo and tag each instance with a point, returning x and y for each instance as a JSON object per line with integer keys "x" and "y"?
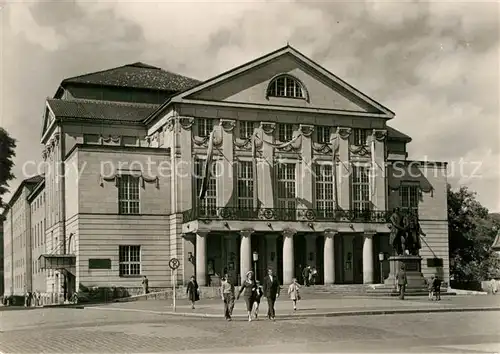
{"x": 413, "y": 233}
{"x": 405, "y": 233}
{"x": 396, "y": 237}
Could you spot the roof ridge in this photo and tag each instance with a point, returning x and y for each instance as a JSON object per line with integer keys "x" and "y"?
{"x": 104, "y": 102}
{"x": 137, "y": 64}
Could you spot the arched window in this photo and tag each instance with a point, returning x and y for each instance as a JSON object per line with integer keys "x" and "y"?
{"x": 285, "y": 86}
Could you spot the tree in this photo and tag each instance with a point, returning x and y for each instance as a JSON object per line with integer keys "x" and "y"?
{"x": 7, "y": 153}
{"x": 471, "y": 233}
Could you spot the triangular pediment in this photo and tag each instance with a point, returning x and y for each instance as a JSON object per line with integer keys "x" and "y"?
{"x": 48, "y": 118}
{"x": 249, "y": 84}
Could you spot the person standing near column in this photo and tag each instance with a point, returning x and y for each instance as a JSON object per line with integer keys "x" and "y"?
{"x": 402, "y": 282}
{"x": 271, "y": 292}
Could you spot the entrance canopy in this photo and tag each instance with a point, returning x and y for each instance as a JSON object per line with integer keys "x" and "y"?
{"x": 57, "y": 261}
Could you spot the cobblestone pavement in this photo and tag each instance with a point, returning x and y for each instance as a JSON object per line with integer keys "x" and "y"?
{"x": 92, "y": 331}
{"x": 311, "y": 306}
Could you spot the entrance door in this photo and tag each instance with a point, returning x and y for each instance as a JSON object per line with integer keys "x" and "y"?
{"x": 348, "y": 258}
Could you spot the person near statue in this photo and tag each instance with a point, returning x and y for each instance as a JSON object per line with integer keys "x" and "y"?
{"x": 402, "y": 282}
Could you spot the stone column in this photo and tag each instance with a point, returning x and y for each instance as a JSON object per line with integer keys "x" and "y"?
{"x": 225, "y": 187}
{"x": 245, "y": 253}
{"x": 201, "y": 257}
{"x": 379, "y": 194}
{"x": 265, "y": 164}
{"x": 329, "y": 257}
{"x": 344, "y": 168}
{"x": 368, "y": 269}
{"x": 288, "y": 256}
{"x": 271, "y": 255}
{"x": 306, "y": 183}
{"x": 189, "y": 249}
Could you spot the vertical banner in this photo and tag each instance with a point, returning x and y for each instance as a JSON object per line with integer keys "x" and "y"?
{"x": 208, "y": 166}
{"x": 374, "y": 166}
{"x": 254, "y": 174}
{"x": 335, "y": 145}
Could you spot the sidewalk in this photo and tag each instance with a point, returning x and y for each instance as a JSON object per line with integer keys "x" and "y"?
{"x": 340, "y": 306}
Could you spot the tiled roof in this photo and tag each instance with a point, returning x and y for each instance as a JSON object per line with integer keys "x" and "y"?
{"x": 91, "y": 109}
{"x": 395, "y": 134}
{"x": 137, "y": 75}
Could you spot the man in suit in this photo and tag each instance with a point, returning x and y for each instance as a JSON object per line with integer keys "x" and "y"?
{"x": 271, "y": 292}
{"x": 402, "y": 282}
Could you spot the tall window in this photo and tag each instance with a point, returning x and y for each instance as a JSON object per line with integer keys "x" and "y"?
{"x": 246, "y": 129}
{"x": 205, "y": 126}
{"x": 285, "y": 86}
{"x": 409, "y": 196}
{"x": 129, "y": 260}
{"x": 323, "y": 134}
{"x": 245, "y": 185}
{"x": 207, "y": 206}
{"x": 285, "y": 132}
{"x": 359, "y": 136}
{"x": 325, "y": 200}
{"x": 360, "y": 188}
{"x": 128, "y": 195}
{"x": 287, "y": 198}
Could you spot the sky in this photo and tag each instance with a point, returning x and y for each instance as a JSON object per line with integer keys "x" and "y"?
{"x": 435, "y": 64}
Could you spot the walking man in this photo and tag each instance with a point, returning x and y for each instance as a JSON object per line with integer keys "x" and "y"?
{"x": 227, "y": 291}
{"x": 402, "y": 282}
{"x": 271, "y": 292}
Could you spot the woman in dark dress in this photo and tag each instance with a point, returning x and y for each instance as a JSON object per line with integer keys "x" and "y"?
{"x": 249, "y": 289}
{"x": 192, "y": 291}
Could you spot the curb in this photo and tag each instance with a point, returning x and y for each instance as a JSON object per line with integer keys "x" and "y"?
{"x": 314, "y": 314}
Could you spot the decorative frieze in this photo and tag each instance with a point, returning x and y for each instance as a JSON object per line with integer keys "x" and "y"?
{"x": 344, "y": 132}
{"x": 268, "y": 127}
{"x": 115, "y": 139}
{"x": 227, "y": 124}
{"x": 186, "y": 122}
{"x": 170, "y": 124}
{"x": 379, "y": 134}
{"x": 306, "y": 130}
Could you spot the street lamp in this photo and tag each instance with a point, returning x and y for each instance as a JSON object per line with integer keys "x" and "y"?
{"x": 381, "y": 257}
{"x": 255, "y": 257}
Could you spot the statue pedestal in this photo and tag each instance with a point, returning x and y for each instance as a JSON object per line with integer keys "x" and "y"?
{"x": 416, "y": 281}
{"x": 413, "y": 266}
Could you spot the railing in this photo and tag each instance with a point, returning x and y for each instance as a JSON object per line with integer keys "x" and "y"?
{"x": 277, "y": 214}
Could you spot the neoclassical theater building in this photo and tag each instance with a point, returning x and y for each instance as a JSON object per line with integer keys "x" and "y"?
{"x": 305, "y": 171}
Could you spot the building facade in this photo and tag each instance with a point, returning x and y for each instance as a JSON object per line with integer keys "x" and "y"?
{"x": 17, "y": 239}
{"x": 302, "y": 170}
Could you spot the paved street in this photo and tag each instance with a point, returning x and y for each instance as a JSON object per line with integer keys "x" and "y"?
{"x": 314, "y": 305}
{"x": 98, "y": 330}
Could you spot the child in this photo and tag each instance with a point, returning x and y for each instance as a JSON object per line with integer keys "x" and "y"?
{"x": 430, "y": 287}
{"x": 293, "y": 291}
{"x": 258, "y": 295}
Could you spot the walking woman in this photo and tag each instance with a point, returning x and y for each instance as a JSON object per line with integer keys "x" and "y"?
{"x": 293, "y": 291}
{"x": 249, "y": 290}
{"x": 192, "y": 291}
